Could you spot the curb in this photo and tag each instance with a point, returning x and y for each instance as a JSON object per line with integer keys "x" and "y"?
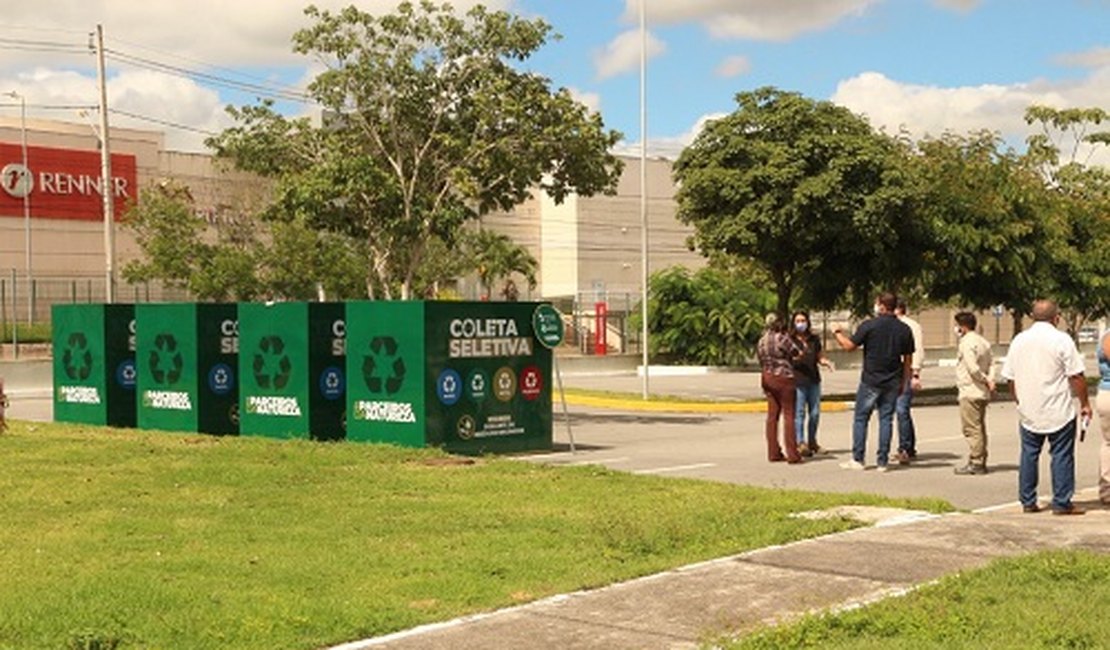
{"x": 666, "y": 406}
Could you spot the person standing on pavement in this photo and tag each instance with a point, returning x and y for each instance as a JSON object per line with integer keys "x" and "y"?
{"x": 974, "y": 383}
{"x": 1045, "y": 369}
{"x": 776, "y": 359}
{"x": 807, "y": 381}
{"x": 907, "y": 435}
{"x": 887, "y": 357}
{"x": 1103, "y": 404}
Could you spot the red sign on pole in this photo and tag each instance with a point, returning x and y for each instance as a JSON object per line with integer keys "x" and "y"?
{"x": 601, "y": 343}
{"x": 63, "y": 183}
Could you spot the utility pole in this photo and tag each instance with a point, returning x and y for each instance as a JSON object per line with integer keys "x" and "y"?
{"x": 643, "y": 196}
{"x": 106, "y": 189}
{"x": 26, "y": 183}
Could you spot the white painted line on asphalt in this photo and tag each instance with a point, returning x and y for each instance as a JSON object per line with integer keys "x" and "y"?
{"x": 599, "y": 461}
{"x": 674, "y": 468}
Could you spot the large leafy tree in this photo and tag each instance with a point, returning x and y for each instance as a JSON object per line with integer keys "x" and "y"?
{"x": 806, "y": 189}
{"x": 430, "y": 124}
{"x": 988, "y": 213}
{"x": 1080, "y": 253}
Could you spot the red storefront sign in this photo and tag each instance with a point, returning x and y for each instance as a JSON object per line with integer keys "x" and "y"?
{"x": 64, "y": 183}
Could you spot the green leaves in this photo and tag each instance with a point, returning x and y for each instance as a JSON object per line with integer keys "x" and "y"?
{"x": 430, "y": 125}
{"x": 803, "y": 188}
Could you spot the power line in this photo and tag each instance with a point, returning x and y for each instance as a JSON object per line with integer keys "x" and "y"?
{"x": 167, "y": 123}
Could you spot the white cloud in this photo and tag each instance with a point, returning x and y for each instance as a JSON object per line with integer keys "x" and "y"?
{"x": 765, "y": 20}
{"x": 931, "y": 110}
{"x": 963, "y": 6}
{"x": 668, "y": 146}
{"x": 211, "y": 31}
{"x": 1098, "y": 57}
{"x": 591, "y": 100}
{"x": 622, "y": 54}
{"x": 733, "y": 66}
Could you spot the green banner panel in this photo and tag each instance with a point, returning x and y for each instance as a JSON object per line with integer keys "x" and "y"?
{"x": 166, "y": 358}
{"x": 217, "y": 328}
{"x": 187, "y": 361}
{"x": 489, "y": 378}
{"x": 94, "y": 364}
{"x": 327, "y": 355}
{"x": 274, "y": 370}
{"x": 385, "y": 367}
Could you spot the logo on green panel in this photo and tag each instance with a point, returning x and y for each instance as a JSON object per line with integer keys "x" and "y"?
{"x": 383, "y": 369}
{"x": 272, "y": 367}
{"x": 165, "y": 360}
{"x": 77, "y": 358}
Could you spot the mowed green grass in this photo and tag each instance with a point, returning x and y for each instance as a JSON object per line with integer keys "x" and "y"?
{"x": 127, "y": 539}
{"x": 1050, "y": 600}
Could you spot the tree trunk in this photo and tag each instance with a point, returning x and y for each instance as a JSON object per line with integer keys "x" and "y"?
{"x": 1017, "y": 316}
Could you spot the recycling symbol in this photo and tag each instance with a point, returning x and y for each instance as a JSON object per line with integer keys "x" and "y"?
{"x": 383, "y": 369}
{"x": 165, "y": 360}
{"x": 272, "y": 366}
{"x": 77, "y": 358}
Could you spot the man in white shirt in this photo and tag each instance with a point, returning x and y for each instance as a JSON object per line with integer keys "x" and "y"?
{"x": 974, "y": 383}
{"x": 1045, "y": 368}
{"x": 907, "y": 434}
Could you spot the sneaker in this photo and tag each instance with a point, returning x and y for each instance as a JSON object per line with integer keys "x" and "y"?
{"x": 804, "y": 450}
{"x": 852, "y": 464}
{"x": 882, "y": 468}
{"x": 1030, "y": 509}
{"x": 970, "y": 469}
{"x": 902, "y": 458}
{"x": 818, "y": 449}
{"x": 1070, "y": 510}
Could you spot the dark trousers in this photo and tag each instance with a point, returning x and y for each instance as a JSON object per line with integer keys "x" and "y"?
{"x": 780, "y": 402}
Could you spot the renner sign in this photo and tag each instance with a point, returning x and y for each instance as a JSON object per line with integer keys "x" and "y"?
{"x": 62, "y": 183}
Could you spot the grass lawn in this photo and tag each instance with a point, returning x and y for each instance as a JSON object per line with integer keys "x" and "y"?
{"x": 121, "y": 538}
{"x": 1048, "y": 600}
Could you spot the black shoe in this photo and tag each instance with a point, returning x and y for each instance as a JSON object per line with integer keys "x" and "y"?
{"x": 970, "y": 469}
{"x": 1070, "y": 510}
{"x": 1031, "y": 509}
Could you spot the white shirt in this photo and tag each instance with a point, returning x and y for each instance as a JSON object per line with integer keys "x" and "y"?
{"x": 918, "y": 343}
{"x": 1039, "y": 362}
{"x": 973, "y": 367}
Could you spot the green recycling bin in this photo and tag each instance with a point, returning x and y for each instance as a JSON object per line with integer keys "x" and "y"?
{"x": 470, "y": 377}
{"x": 291, "y": 369}
{"x": 187, "y": 356}
{"x": 385, "y": 364}
{"x": 94, "y": 364}
{"x": 489, "y": 378}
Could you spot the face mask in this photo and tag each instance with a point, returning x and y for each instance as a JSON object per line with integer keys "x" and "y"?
{"x": 959, "y": 332}
{"x": 801, "y": 327}
{"x": 875, "y": 309}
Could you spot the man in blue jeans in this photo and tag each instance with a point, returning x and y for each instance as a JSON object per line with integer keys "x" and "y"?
{"x": 1045, "y": 368}
{"x": 887, "y": 356}
{"x": 907, "y": 434}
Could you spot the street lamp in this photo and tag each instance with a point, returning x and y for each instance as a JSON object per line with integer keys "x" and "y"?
{"x": 27, "y": 184}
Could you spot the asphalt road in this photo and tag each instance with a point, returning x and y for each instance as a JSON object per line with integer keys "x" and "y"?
{"x": 731, "y": 448}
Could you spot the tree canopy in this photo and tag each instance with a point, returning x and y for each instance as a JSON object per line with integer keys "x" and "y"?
{"x": 806, "y": 189}
{"x": 427, "y": 124}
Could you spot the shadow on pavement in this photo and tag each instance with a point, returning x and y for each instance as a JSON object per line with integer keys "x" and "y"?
{"x": 634, "y": 418}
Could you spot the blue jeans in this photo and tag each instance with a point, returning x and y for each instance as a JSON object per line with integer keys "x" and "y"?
{"x": 867, "y": 399}
{"x": 1061, "y": 449}
{"x": 808, "y": 397}
{"x": 907, "y": 435}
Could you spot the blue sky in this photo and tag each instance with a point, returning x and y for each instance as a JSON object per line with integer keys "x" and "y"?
{"x": 925, "y": 65}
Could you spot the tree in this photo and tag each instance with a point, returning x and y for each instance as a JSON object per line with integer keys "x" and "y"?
{"x": 1080, "y": 253}
{"x": 987, "y": 211}
{"x": 712, "y": 317}
{"x": 495, "y": 256}
{"x": 431, "y": 126}
{"x": 807, "y": 190}
{"x": 239, "y": 258}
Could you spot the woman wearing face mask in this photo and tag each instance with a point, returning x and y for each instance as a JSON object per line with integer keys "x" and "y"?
{"x": 776, "y": 355}
{"x": 807, "y": 383}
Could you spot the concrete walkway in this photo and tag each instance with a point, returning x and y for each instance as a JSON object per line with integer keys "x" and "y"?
{"x": 690, "y": 605}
